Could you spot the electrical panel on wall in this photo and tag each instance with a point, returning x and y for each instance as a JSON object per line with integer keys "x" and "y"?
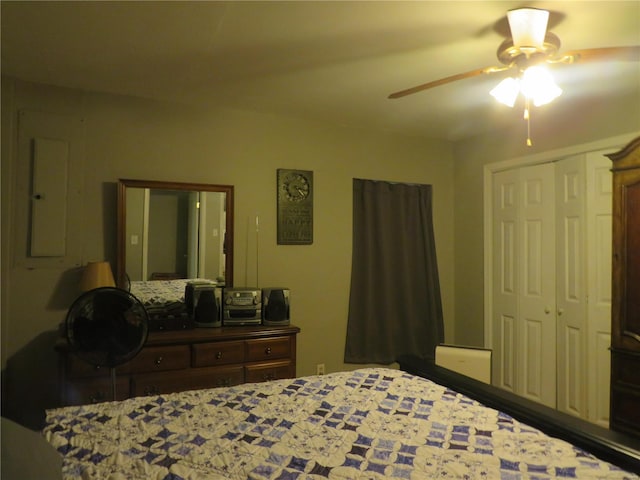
{"x": 49, "y": 197}
{"x": 48, "y": 185}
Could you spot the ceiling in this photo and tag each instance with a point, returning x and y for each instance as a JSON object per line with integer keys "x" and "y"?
{"x": 334, "y": 60}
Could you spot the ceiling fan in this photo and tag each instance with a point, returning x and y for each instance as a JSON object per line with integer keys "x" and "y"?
{"x": 527, "y": 53}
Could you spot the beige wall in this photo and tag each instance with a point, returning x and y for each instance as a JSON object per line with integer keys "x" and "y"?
{"x": 133, "y": 138}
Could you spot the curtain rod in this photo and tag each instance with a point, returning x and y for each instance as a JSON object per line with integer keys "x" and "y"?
{"x": 394, "y": 183}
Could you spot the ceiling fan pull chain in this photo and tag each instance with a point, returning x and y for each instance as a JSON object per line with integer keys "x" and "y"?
{"x": 527, "y": 117}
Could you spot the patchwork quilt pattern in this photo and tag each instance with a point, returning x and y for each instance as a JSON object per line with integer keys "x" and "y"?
{"x": 157, "y": 293}
{"x": 373, "y": 423}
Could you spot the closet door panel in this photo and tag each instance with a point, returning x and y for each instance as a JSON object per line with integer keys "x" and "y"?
{"x": 532, "y": 333}
{"x": 571, "y": 357}
{"x": 571, "y": 291}
{"x": 537, "y": 283}
{"x": 508, "y": 351}
{"x": 505, "y": 280}
{"x": 599, "y": 251}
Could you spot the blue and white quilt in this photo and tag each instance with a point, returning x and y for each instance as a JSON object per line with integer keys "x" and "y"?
{"x": 158, "y": 293}
{"x": 373, "y": 423}
{"x": 163, "y": 297}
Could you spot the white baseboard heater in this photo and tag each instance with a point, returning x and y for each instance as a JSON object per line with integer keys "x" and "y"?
{"x": 473, "y": 362}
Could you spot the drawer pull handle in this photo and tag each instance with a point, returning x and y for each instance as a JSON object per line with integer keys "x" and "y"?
{"x": 223, "y": 382}
{"x": 151, "y": 390}
{"x": 267, "y": 350}
{"x": 158, "y": 361}
{"x": 218, "y": 355}
{"x": 268, "y": 376}
{"x": 98, "y": 397}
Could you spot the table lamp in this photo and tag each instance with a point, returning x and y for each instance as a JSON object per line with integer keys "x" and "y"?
{"x": 96, "y": 275}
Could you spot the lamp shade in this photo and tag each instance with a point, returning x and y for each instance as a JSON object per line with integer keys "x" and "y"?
{"x": 507, "y": 91}
{"x": 528, "y": 27}
{"x": 96, "y": 275}
{"x": 538, "y": 85}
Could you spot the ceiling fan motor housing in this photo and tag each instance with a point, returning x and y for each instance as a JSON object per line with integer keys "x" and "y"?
{"x": 524, "y": 57}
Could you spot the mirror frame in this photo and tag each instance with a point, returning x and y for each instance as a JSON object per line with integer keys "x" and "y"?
{"x": 123, "y": 184}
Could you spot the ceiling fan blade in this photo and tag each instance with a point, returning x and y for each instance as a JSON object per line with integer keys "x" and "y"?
{"x": 629, "y": 54}
{"x": 442, "y": 81}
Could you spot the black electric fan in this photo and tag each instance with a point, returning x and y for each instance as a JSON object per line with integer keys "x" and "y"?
{"x": 107, "y": 327}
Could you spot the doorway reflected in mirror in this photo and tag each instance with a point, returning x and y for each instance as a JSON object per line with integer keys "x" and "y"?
{"x": 169, "y": 230}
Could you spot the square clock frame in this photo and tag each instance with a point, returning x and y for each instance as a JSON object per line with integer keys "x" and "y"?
{"x": 295, "y": 207}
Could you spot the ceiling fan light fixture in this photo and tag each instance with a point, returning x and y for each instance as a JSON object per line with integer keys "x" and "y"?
{"x": 528, "y": 28}
{"x": 506, "y": 92}
{"x": 538, "y": 85}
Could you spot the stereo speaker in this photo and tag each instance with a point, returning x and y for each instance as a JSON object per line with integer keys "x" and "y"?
{"x": 275, "y": 306}
{"x": 203, "y": 302}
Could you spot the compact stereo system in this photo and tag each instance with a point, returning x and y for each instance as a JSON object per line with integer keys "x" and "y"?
{"x": 213, "y": 306}
{"x": 242, "y": 306}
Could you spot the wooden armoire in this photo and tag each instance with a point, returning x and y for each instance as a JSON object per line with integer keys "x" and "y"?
{"x": 625, "y": 301}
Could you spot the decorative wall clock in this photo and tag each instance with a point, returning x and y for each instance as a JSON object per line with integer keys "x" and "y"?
{"x": 295, "y": 207}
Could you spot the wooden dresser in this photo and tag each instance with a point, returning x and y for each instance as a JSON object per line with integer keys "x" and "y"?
{"x": 625, "y": 300}
{"x": 172, "y": 361}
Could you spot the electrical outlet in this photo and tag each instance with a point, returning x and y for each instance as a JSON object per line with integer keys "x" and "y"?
{"x": 320, "y": 369}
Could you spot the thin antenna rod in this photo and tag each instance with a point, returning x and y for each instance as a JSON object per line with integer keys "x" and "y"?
{"x": 246, "y": 255}
{"x": 257, "y": 248}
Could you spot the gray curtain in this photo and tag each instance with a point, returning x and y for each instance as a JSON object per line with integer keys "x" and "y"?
{"x": 394, "y": 305}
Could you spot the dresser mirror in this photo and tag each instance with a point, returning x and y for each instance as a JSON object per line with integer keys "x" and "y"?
{"x": 169, "y": 230}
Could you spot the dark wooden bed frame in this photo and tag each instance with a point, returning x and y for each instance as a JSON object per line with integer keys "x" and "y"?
{"x": 617, "y": 448}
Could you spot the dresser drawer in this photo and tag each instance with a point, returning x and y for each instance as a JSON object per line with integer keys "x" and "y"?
{"x": 268, "y": 348}
{"x": 218, "y": 353}
{"x": 216, "y": 377}
{"x": 145, "y": 384}
{"x": 269, "y": 371}
{"x": 158, "y": 359}
{"x": 95, "y": 390}
{"x": 190, "y": 359}
{"x": 76, "y": 367}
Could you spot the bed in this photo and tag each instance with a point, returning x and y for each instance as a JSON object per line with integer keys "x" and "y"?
{"x": 371, "y": 423}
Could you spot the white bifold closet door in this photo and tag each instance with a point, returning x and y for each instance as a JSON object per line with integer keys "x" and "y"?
{"x": 551, "y": 283}
{"x": 599, "y": 253}
{"x": 571, "y": 287}
{"x": 524, "y": 282}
